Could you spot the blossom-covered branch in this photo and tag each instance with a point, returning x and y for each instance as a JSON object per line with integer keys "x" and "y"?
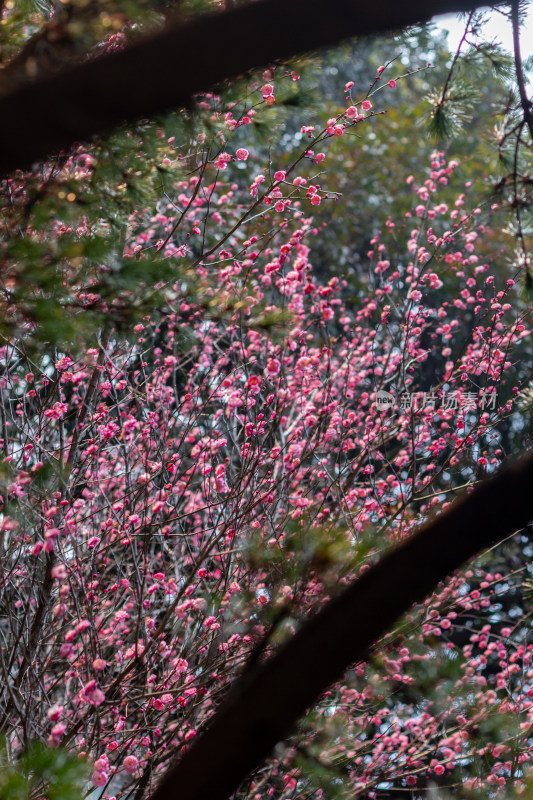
{"x": 207, "y": 432}
{"x": 267, "y": 702}
{"x": 155, "y": 74}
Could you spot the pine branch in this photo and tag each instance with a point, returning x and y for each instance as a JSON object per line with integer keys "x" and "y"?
{"x": 166, "y": 70}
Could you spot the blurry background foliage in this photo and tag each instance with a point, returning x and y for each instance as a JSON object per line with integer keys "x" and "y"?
{"x": 42, "y": 772}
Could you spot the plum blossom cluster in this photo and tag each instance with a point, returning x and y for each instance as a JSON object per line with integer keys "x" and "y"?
{"x": 167, "y": 494}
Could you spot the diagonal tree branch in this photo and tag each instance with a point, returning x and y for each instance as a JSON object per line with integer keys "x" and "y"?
{"x": 164, "y": 71}
{"x": 268, "y": 700}
{"x": 525, "y": 102}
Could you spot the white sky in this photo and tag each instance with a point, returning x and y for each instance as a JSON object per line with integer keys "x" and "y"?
{"x": 496, "y": 28}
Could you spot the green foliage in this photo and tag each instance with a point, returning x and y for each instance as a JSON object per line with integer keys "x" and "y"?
{"x": 500, "y": 61}
{"x": 42, "y": 772}
{"x": 453, "y": 108}
{"x": 451, "y": 114}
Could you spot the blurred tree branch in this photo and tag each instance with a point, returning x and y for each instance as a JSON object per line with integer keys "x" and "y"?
{"x": 165, "y": 70}
{"x": 268, "y": 699}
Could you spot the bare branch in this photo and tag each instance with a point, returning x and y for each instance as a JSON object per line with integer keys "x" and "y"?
{"x": 525, "y": 102}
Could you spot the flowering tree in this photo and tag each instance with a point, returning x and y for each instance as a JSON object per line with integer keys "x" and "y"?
{"x": 230, "y": 442}
{"x": 133, "y": 84}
